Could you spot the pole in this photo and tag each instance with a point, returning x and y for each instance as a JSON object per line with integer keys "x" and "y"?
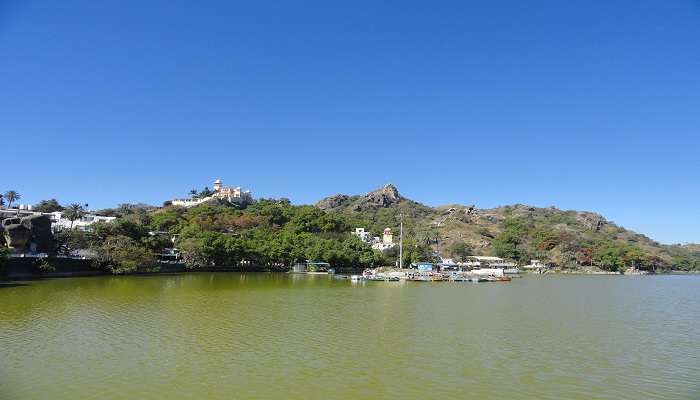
{"x": 401, "y": 243}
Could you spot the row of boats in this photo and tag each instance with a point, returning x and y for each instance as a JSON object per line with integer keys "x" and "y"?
{"x": 430, "y": 276}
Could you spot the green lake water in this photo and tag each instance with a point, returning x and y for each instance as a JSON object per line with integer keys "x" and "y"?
{"x": 285, "y": 336}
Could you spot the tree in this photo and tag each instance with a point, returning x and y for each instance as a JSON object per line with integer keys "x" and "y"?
{"x": 2, "y": 201}
{"x": 68, "y": 240}
{"x": 123, "y": 255}
{"x": 634, "y": 257}
{"x": 165, "y": 220}
{"x": 206, "y": 192}
{"x": 48, "y": 206}
{"x": 506, "y": 243}
{"x": 74, "y": 212}
{"x": 193, "y": 193}
{"x": 608, "y": 258}
{"x": 11, "y": 197}
{"x": 459, "y": 250}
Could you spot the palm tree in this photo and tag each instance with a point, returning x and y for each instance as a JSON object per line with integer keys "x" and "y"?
{"x": 73, "y": 212}
{"x": 11, "y": 197}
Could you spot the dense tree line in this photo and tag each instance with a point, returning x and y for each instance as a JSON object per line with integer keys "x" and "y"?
{"x": 271, "y": 234}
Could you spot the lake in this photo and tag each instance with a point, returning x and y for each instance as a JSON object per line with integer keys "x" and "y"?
{"x": 287, "y": 336}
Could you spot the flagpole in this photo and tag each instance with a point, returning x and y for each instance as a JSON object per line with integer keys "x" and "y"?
{"x": 401, "y": 243}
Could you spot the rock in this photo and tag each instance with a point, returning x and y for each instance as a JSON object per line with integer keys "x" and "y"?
{"x": 591, "y": 220}
{"x": 17, "y": 236}
{"x": 333, "y": 201}
{"x": 380, "y": 198}
{"x": 40, "y": 226}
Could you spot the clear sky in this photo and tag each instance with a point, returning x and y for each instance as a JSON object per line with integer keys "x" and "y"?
{"x": 588, "y": 105}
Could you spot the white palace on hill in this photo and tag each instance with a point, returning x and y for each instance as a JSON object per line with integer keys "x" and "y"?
{"x": 234, "y": 195}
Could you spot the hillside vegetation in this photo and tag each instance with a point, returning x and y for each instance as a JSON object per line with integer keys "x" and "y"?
{"x": 567, "y": 239}
{"x": 273, "y": 234}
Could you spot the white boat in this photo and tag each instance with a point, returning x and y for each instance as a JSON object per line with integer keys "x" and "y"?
{"x": 356, "y": 278}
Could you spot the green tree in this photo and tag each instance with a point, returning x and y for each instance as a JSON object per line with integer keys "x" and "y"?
{"x": 124, "y": 255}
{"x": 11, "y": 196}
{"x": 609, "y": 258}
{"x": 505, "y": 244}
{"x": 634, "y": 257}
{"x": 459, "y": 250}
{"x": 48, "y": 206}
{"x": 166, "y": 219}
{"x": 73, "y": 212}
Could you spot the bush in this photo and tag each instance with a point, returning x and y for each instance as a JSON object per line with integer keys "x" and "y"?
{"x": 122, "y": 255}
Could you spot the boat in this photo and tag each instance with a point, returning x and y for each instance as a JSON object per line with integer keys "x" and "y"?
{"x": 424, "y": 277}
{"x": 356, "y": 278}
{"x": 312, "y": 268}
{"x": 382, "y": 278}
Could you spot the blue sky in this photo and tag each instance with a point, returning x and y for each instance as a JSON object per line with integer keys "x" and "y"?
{"x": 578, "y": 104}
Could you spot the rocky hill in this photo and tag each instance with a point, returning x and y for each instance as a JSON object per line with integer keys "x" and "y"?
{"x": 575, "y": 239}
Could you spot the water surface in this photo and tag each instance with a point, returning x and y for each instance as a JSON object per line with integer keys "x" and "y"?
{"x": 282, "y": 336}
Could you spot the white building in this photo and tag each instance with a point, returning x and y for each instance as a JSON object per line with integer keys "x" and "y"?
{"x": 535, "y": 264}
{"x": 234, "y": 195}
{"x": 362, "y": 234}
{"x": 497, "y": 272}
{"x": 487, "y": 262}
{"x": 384, "y": 243}
{"x": 58, "y": 222}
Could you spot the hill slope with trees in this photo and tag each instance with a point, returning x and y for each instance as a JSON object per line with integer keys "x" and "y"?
{"x": 562, "y": 238}
{"x": 272, "y": 234}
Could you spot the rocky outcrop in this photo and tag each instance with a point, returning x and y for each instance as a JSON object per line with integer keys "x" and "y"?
{"x": 383, "y": 197}
{"x": 42, "y": 238}
{"x": 17, "y": 236}
{"x": 591, "y": 220}
{"x": 380, "y": 198}
{"x": 32, "y": 233}
{"x": 335, "y": 201}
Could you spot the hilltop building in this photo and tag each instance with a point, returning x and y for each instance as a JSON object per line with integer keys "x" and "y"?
{"x": 386, "y": 242}
{"x": 234, "y": 195}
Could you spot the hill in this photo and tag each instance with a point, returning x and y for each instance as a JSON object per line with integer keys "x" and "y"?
{"x": 565, "y": 238}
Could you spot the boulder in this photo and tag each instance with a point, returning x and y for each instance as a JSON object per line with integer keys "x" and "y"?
{"x": 40, "y": 226}
{"x": 591, "y": 220}
{"x": 17, "y": 236}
